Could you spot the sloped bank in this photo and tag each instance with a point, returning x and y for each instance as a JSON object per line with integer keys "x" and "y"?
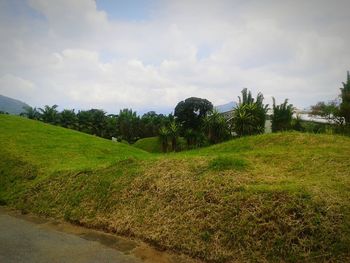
{"x": 279, "y": 197}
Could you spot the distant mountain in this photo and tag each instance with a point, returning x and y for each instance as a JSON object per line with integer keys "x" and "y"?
{"x": 11, "y": 106}
{"x": 226, "y": 107}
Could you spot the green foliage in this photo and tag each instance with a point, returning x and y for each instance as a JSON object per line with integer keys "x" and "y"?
{"x": 93, "y": 121}
{"x": 151, "y": 122}
{"x": 154, "y": 145}
{"x": 68, "y": 119}
{"x": 169, "y": 134}
{"x": 164, "y": 135}
{"x": 195, "y": 139}
{"x": 127, "y": 125}
{"x": 98, "y": 121}
{"x": 250, "y": 115}
{"x": 282, "y": 116}
{"x": 222, "y": 163}
{"x": 330, "y": 111}
{"x": 111, "y": 127}
{"x": 345, "y": 103}
{"x": 337, "y": 113}
{"x": 191, "y": 111}
{"x": 297, "y": 124}
{"x": 49, "y": 114}
{"x": 216, "y": 127}
{"x": 192, "y": 138}
{"x": 174, "y": 134}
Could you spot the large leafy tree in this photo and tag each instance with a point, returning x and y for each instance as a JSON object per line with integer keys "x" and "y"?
{"x": 345, "y": 100}
{"x": 191, "y": 111}
{"x": 282, "y": 116}
{"x": 250, "y": 114}
{"x": 49, "y": 114}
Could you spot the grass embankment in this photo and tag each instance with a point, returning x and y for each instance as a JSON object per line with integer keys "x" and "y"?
{"x": 275, "y": 197}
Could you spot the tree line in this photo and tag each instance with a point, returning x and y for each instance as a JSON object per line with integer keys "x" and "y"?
{"x": 125, "y": 126}
{"x": 200, "y": 124}
{"x": 196, "y": 120}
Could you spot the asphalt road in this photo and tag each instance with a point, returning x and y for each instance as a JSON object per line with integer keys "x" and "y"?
{"x": 25, "y": 241}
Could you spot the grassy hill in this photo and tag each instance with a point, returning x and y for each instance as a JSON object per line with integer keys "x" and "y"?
{"x": 275, "y": 197}
{"x": 11, "y": 106}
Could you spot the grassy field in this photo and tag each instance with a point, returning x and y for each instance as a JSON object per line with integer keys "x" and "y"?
{"x": 274, "y": 197}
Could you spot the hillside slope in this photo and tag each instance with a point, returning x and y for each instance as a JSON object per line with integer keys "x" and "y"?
{"x": 276, "y": 197}
{"x": 55, "y": 148}
{"x": 11, "y": 106}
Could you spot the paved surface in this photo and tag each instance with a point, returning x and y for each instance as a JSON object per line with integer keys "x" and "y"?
{"x": 24, "y": 241}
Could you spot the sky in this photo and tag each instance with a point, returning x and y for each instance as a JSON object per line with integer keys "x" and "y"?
{"x": 149, "y": 55}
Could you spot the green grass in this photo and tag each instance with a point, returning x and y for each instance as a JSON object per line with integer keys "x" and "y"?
{"x": 221, "y": 163}
{"x": 55, "y": 148}
{"x": 273, "y": 197}
{"x": 153, "y": 144}
{"x": 150, "y": 144}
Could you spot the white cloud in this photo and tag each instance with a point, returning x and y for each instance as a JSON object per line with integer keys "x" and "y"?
{"x": 17, "y": 87}
{"x": 74, "y": 56}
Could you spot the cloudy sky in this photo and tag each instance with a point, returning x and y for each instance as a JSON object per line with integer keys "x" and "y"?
{"x": 149, "y": 54}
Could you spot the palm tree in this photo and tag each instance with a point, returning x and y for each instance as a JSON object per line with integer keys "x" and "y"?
{"x": 128, "y": 125}
{"x": 296, "y": 123}
{"x": 249, "y": 115}
{"x": 49, "y": 114}
{"x": 174, "y": 134}
{"x": 163, "y": 137}
{"x": 216, "y": 127}
{"x": 98, "y": 122}
{"x": 282, "y": 116}
{"x": 345, "y": 100}
{"x": 68, "y": 119}
{"x": 244, "y": 120}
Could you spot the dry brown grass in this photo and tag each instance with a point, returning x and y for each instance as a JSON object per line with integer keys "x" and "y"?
{"x": 280, "y": 197}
